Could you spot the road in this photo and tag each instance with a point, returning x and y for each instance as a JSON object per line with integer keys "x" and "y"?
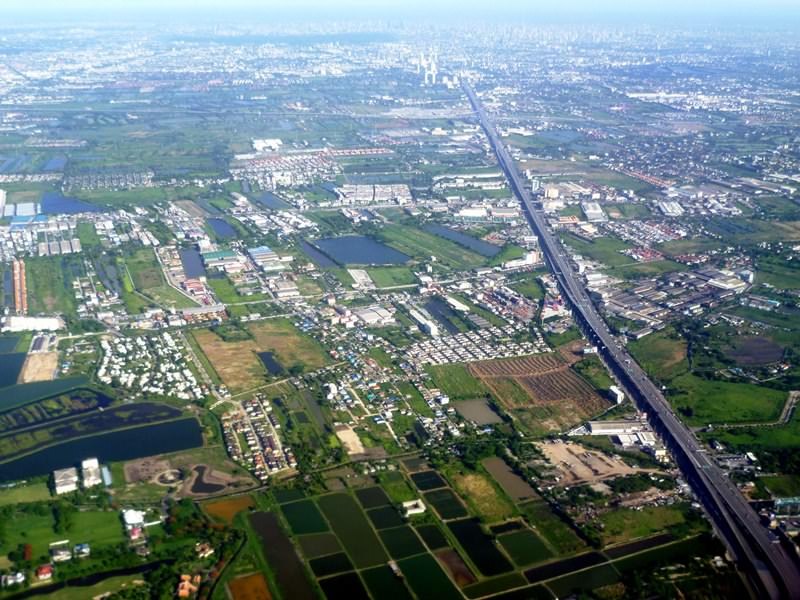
{"x": 772, "y": 571}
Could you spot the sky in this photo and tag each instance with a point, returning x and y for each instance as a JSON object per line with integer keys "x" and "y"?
{"x": 529, "y": 10}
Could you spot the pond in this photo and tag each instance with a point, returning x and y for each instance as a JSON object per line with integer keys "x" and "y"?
{"x": 8, "y": 344}
{"x": 441, "y": 311}
{"x": 272, "y": 365}
{"x": 10, "y": 367}
{"x": 272, "y": 201}
{"x": 192, "y": 263}
{"x": 317, "y": 257}
{"x": 462, "y": 239}
{"x": 222, "y": 228}
{"x": 54, "y": 203}
{"x": 360, "y": 250}
{"x": 201, "y": 486}
{"x": 127, "y": 444}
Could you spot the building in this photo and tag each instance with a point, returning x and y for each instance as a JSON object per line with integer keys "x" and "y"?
{"x": 221, "y": 258}
{"x": 15, "y": 323}
{"x": 65, "y": 480}
{"x": 594, "y": 213}
{"x": 90, "y": 469}
{"x": 616, "y": 427}
{"x": 670, "y": 208}
{"x": 616, "y": 394}
{"x": 413, "y": 507}
{"x": 44, "y": 572}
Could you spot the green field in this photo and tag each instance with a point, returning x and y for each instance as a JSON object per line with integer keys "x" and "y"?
{"x": 92, "y": 527}
{"x": 147, "y": 278}
{"x": 625, "y": 524}
{"x": 457, "y": 382}
{"x": 34, "y": 492}
{"x": 422, "y": 245}
{"x": 548, "y": 525}
{"x": 661, "y": 354}
{"x": 703, "y": 401}
{"x": 605, "y": 250}
{"x": 779, "y": 485}
{"x": 392, "y": 276}
{"x": 49, "y": 285}
{"x": 593, "y": 371}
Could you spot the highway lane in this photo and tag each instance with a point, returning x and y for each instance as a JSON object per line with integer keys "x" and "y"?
{"x": 772, "y": 570}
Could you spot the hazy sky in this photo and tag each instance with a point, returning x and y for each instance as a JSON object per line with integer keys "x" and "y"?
{"x": 424, "y": 9}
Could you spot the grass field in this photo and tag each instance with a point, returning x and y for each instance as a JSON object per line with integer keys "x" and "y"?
{"x": 92, "y": 527}
{"x": 489, "y": 503}
{"x": 147, "y": 278}
{"x": 779, "y": 273}
{"x": 392, "y": 276}
{"x": 422, "y": 245}
{"x": 783, "y": 485}
{"x": 662, "y": 354}
{"x": 593, "y": 370}
{"x": 524, "y": 547}
{"x": 624, "y": 524}
{"x": 98, "y": 590}
{"x": 549, "y": 526}
{"x": 457, "y": 382}
{"x": 702, "y": 401}
{"x": 604, "y": 250}
{"x": 49, "y": 285}
{"x": 34, "y": 492}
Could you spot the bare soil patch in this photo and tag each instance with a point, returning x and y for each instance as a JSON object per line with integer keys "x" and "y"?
{"x": 350, "y": 440}
{"x": 249, "y": 587}
{"x": 577, "y": 465}
{"x": 226, "y": 510}
{"x": 40, "y": 366}
{"x": 457, "y": 568}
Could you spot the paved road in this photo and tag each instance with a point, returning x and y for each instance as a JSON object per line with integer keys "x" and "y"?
{"x": 771, "y": 569}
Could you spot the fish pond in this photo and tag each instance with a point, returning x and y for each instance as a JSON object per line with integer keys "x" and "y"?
{"x": 126, "y": 444}
{"x": 483, "y": 248}
{"x": 360, "y": 250}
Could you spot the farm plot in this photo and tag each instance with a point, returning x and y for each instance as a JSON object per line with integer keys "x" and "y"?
{"x": 304, "y": 517}
{"x": 353, "y": 529}
{"x": 226, "y": 510}
{"x": 446, "y": 503}
{"x": 541, "y": 391}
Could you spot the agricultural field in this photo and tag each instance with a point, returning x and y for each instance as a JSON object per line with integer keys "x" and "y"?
{"x": 293, "y": 349}
{"x": 144, "y": 275}
{"x": 226, "y": 510}
{"x": 541, "y": 391}
{"x": 457, "y": 381}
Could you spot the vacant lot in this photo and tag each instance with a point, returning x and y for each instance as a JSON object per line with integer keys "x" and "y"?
{"x": 457, "y": 381}
{"x": 625, "y": 524}
{"x": 476, "y": 488}
{"x": 39, "y": 367}
{"x": 755, "y": 350}
{"x": 236, "y": 363}
{"x": 541, "y": 391}
{"x": 292, "y": 348}
{"x": 578, "y": 465}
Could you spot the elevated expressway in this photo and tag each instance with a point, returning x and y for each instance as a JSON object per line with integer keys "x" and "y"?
{"x": 771, "y": 568}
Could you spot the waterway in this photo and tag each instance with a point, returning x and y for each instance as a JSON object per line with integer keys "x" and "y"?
{"x": 483, "y": 248}
{"x": 108, "y": 447}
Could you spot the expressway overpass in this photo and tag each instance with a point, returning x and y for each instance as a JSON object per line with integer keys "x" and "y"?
{"x": 773, "y": 570}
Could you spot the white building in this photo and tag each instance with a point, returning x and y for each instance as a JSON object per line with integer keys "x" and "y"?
{"x": 413, "y": 507}
{"x": 16, "y": 323}
{"x": 90, "y": 469}
{"x": 65, "y": 480}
